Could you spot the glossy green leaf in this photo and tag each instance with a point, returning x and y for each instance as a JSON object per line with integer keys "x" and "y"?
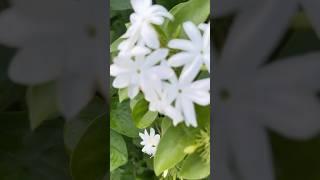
{"x": 170, "y": 150}
{"x": 42, "y": 105}
{"x": 141, "y": 115}
{"x": 91, "y": 154}
{"x": 120, "y": 118}
{"x": 118, "y": 151}
{"x": 194, "y": 167}
{"x": 196, "y": 11}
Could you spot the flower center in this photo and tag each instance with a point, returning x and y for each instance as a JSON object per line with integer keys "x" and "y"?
{"x": 138, "y": 71}
{"x": 91, "y": 31}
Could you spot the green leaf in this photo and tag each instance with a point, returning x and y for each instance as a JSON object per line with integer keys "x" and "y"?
{"x": 123, "y": 94}
{"x": 196, "y": 11}
{"x": 75, "y": 128}
{"x": 41, "y": 101}
{"x": 120, "y": 118}
{"x": 203, "y": 116}
{"x": 194, "y": 167}
{"x": 170, "y": 150}
{"x": 166, "y": 123}
{"x": 120, "y": 4}
{"x": 118, "y": 151}
{"x": 141, "y": 115}
{"x": 90, "y": 154}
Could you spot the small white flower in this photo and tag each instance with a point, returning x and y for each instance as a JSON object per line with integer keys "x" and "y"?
{"x": 186, "y": 91}
{"x": 149, "y": 141}
{"x": 143, "y": 72}
{"x": 195, "y": 49}
{"x": 141, "y": 31}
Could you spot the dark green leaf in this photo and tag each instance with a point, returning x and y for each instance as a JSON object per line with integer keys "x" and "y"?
{"x": 194, "y": 167}
{"x": 90, "y": 156}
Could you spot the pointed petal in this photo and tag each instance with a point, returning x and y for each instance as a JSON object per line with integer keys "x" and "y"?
{"x": 193, "y": 33}
{"x": 189, "y": 72}
{"x": 155, "y": 57}
{"x": 189, "y": 112}
{"x": 181, "y": 44}
{"x": 38, "y": 64}
{"x": 180, "y": 59}
{"x": 149, "y": 36}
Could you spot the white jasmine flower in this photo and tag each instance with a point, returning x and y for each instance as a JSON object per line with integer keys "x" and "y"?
{"x": 162, "y": 101}
{"x": 149, "y": 141}
{"x": 195, "y": 49}
{"x": 186, "y": 91}
{"x": 140, "y": 73}
{"x": 141, "y": 30}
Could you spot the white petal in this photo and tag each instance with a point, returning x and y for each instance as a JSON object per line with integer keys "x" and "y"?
{"x": 149, "y": 36}
{"x": 152, "y": 132}
{"x": 157, "y": 20}
{"x": 121, "y": 81}
{"x": 155, "y": 57}
{"x": 133, "y": 91}
{"x": 74, "y": 93}
{"x": 162, "y": 72}
{"x": 140, "y": 51}
{"x": 189, "y": 72}
{"x": 203, "y": 84}
{"x": 193, "y": 33}
{"x": 200, "y": 97}
{"x": 141, "y": 5}
{"x": 38, "y": 64}
{"x": 180, "y": 59}
{"x": 246, "y": 32}
{"x": 159, "y": 10}
{"x": 189, "y": 112}
{"x": 181, "y": 44}
{"x": 174, "y": 114}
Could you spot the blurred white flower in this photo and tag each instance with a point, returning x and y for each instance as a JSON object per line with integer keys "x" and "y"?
{"x": 277, "y": 97}
{"x": 195, "y": 49}
{"x": 252, "y": 96}
{"x": 61, "y": 41}
{"x": 141, "y": 31}
{"x": 141, "y": 73}
{"x": 149, "y": 142}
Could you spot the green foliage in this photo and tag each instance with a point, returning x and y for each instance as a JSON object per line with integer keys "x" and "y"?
{"x": 120, "y": 119}
{"x": 141, "y": 115}
{"x": 170, "y": 150}
{"x": 194, "y": 167}
{"x": 186, "y": 12}
{"x": 90, "y": 155}
{"x": 118, "y": 151}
